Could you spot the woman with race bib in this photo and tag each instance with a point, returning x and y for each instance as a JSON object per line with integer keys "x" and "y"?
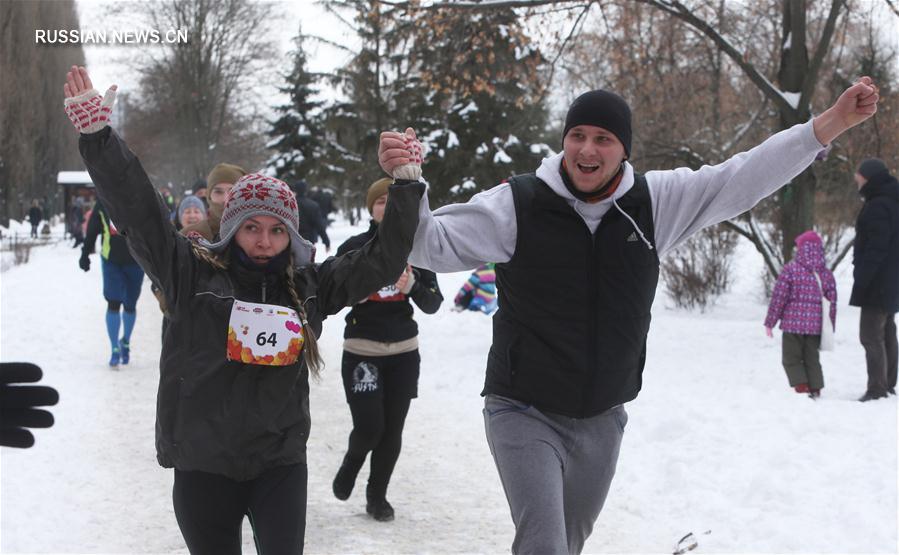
{"x": 380, "y": 368}
{"x": 233, "y": 403}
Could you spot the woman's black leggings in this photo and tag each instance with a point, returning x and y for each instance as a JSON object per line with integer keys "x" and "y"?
{"x": 379, "y": 391}
{"x": 210, "y": 509}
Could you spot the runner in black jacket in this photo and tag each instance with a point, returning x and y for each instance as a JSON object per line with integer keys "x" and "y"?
{"x": 232, "y": 420}
{"x": 380, "y": 367}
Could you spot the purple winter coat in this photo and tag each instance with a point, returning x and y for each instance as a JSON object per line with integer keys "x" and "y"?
{"x": 796, "y": 300}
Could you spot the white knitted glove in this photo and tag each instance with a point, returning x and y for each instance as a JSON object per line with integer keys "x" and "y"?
{"x": 410, "y": 282}
{"x": 88, "y": 112}
{"x": 412, "y": 170}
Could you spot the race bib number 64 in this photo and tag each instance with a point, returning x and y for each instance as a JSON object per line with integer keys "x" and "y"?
{"x": 264, "y": 334}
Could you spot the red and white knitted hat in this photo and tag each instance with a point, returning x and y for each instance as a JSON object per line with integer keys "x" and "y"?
{"x": 259, "y": 195}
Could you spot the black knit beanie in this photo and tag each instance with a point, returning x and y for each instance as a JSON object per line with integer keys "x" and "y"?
{"x": 603, "y": 109}
{"x": 871, "y": 167}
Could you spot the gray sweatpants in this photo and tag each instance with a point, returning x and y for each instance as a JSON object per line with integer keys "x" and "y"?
{"x": 555, "y": 470}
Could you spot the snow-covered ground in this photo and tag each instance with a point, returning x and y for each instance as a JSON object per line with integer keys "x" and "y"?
{"x": 716, "y": 441}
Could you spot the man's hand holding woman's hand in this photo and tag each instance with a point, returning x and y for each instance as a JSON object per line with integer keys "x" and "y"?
{"x": 406, "y": 281}
{"x": 400, "y": 154}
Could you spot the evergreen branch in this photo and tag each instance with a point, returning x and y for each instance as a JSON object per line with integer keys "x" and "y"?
{"x": 331, "y": 43}
{"x": 329, "y": 6}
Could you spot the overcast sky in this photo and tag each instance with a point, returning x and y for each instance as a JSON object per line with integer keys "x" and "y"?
{"x": 114, "y": 64}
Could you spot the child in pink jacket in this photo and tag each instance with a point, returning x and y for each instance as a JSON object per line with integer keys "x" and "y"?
{"x": 796, "y": 302}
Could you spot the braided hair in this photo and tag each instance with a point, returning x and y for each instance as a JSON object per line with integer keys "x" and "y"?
{"x": 310, "y": 347}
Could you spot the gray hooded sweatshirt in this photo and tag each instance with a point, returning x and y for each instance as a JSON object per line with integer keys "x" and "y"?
{"x": 463, "y": 236}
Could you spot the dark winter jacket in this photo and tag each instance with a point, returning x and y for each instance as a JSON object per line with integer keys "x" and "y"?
{"x": 325, "y": 202}
{"x": 75, "y": 219}
{"x": 876, "y": 254}
{"x": 574, "y": 307}
{"x": 35, "y": 215}
{"x": 113, "y": 247}
{"x": 386, "y": 314}
{"x": 213, "y": 414}
{"x": 311, "y": 227}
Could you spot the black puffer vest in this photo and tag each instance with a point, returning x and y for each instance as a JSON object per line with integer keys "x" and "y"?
{"x": 574, "y": 307}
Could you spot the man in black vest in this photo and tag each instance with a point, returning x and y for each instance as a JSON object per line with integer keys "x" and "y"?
{"x": 876, "y": 274}
{"x": 577, "y": 247}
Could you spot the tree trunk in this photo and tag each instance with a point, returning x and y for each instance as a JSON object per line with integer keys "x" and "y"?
{"x": 797, "y": 209}
{"x": 797, "y": 199}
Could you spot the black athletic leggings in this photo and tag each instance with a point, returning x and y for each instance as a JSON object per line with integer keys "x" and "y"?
{"x": 379, "y": 391}
{"x": 210, "y": 509}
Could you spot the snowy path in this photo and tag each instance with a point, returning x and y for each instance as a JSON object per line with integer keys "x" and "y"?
{"x": 716, "y": 440}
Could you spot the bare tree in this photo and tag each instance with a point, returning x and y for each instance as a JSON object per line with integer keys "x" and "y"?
{"x": 798, "y": 77}
{"x": 697, "y": 272}
{"x": 36, "y": 140}
{"x": 198, "y": 102}
{"x": 829, "y": 200}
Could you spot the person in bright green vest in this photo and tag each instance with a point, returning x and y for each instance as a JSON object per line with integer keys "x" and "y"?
{"x": 122, "y": 281}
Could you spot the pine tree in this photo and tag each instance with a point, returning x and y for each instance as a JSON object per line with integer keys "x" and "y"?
{"x": 297, "y": 135}
{"x": 469, "y": 84}
{"x": 483, "y": 74}
{"x": 375, "y": 83}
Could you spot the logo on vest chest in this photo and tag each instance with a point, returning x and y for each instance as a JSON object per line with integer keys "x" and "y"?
{"x": 632, "y": 237}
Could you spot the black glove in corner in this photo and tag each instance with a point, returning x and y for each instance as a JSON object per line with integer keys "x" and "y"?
{"x": 17, "y": 402}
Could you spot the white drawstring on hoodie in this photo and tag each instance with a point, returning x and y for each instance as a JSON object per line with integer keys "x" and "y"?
{"x": 577, "y": 203}
{"x": 633, "y": 223}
